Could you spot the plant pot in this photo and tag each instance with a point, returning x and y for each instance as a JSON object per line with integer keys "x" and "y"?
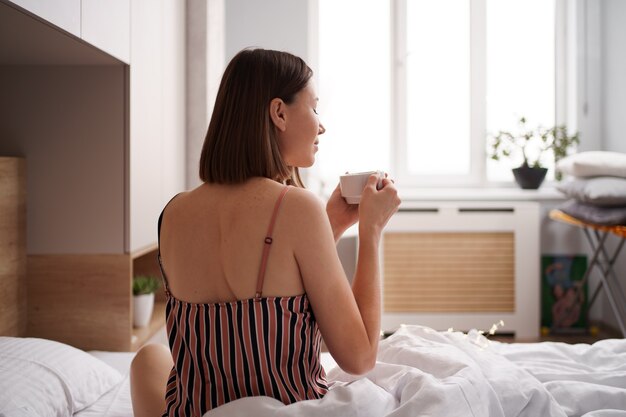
{"x": 529, "y": 178}
{"x": 142, "y": 309}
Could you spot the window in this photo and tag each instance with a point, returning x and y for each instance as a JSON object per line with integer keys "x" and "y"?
{"x": 520, "y": 69}
{"x": 415, "y": 86}
{"x": 354, "y": 88}
{"x": 433, "y": 72}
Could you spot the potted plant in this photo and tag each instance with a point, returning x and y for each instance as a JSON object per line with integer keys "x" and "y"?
{"x": 530, "y": 145}
{"x": 144, "y": 287}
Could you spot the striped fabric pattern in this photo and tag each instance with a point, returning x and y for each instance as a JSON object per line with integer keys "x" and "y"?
{"x": 259, "y": 346}
{"x": 225, "y": 351}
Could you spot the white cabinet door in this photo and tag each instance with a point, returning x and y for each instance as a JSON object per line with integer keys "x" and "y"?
{"x": 106, "y": 25}
{"x": 145, "y": 122}
{"x": 157, "y": 113}
{"x": 62, "y": 13}
{"x": 173, "y": 106}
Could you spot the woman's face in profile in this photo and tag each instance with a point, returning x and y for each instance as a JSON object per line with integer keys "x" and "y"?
{"x": 298, "y": 142}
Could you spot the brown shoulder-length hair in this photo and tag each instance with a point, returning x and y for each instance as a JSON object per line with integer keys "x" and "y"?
{"x": 241, "y": 139}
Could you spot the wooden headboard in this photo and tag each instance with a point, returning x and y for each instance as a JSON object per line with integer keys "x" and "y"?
{"x": 12, "y": 246}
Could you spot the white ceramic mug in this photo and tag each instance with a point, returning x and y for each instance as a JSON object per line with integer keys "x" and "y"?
{"x": 352, "y": 185}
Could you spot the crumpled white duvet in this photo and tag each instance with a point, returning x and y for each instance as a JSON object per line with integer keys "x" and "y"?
{"x": 422, "y": 372}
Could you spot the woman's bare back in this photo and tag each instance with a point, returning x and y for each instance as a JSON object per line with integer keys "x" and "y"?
{"x": 212, "y": 241}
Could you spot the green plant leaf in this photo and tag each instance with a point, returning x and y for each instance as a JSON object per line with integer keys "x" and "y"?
{"x": 145, "y": 284}
{"x": 518, "y": 145}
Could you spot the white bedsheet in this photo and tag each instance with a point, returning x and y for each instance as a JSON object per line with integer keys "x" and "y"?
{"x": 421, "y": 372}
{"x": 581, "y": 378}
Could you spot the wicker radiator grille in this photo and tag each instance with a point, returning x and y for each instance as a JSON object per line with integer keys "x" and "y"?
{"x": 449, "y": 272}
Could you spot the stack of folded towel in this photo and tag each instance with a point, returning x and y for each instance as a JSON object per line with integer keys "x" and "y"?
{"x": 597, "y": 191}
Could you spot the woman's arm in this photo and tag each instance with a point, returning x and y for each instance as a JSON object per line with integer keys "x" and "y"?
{"x": 349, "y": 318}
{"x": 340, "y": 214}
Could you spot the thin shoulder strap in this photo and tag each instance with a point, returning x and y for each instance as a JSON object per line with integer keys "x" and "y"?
{"x": 166, "y": 287}
{"x": 268, "y": 243}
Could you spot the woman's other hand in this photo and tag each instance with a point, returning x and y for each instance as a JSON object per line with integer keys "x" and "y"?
{"x": 377, "y": 205}
{"x": 341, "y": 214}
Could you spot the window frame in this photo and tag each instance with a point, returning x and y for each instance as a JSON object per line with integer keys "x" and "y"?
{"x": 477, "y": 176}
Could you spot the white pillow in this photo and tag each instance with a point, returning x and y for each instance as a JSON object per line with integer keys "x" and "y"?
{"x": 594, "y": 164}
{"x": 41, "y": 377}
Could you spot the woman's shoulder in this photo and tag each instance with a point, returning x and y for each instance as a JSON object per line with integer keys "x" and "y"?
{"x": 303, "y": 202}
{"x": 175, "y": 201}
{"x": 303, "y": 197}
{"x": 299, "y": 201}
{"x": 305, "y": 213}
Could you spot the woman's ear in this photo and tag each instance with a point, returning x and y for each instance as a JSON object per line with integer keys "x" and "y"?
{"x": 277, "y": 114}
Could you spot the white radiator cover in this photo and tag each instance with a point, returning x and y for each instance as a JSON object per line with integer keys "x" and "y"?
{"x": 516, "y": 298}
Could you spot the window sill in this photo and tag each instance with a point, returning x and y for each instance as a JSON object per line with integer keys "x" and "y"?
{"x": 414, "y": 197}
{"x": 544, "y": 193}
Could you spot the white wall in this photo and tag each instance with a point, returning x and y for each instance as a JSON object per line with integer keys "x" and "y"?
{"x": 270, "y": 24}
{"x": 613, "y": 90}
{"x": 157, "y": 115}
{"x": 589, "y": 73}
{"x": 205, "y": 64}
{"x": 614, "y": 74}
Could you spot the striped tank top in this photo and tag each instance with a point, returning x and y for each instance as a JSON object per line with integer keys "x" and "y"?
{"x": 259, "y": 346}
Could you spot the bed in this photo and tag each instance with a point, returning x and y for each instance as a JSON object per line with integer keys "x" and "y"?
{"x": 420, "y": 372}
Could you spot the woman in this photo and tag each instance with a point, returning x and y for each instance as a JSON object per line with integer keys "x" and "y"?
{"x": 249, "y": 261}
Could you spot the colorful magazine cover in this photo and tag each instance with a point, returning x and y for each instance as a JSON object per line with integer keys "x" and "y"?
{"x": 564, "y": 297}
